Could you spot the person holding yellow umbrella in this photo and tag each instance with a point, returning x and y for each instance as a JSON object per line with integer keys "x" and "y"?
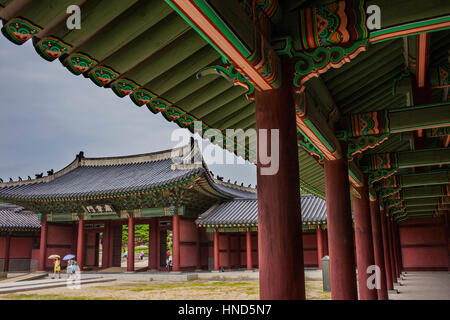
{"x": 56, "y": 265}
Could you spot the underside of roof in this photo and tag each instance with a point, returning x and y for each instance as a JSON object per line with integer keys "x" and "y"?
{"x": 353, "y": 84}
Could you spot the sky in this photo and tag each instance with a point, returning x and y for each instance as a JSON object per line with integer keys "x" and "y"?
{"x": 48, "y": 115}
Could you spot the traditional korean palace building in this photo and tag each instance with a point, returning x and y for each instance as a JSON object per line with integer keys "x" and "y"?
{"x": 100, "y": 195}
{"x": 357, "y": 89}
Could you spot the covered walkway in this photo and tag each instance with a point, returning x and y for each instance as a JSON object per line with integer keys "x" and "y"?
{"x": 423, "y": 285}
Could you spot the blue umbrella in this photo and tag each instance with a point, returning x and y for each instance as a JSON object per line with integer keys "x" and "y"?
{"x": 69, "y": 257}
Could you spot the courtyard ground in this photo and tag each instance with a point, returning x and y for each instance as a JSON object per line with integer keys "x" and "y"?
{"x": 158, "y": 290}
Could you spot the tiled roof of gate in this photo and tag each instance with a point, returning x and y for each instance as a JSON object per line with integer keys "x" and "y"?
{"x": 96, "y": 176}
{"x": 16, "y": 218}
{"x": 245, "y": 211}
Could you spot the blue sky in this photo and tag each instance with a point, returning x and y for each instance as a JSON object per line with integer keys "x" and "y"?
{"x": 48, "y": 115}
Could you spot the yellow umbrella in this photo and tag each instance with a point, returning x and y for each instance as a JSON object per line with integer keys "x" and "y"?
{"x": 54, "y": 256}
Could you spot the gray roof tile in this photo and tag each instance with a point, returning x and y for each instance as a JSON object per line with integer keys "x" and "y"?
{"x": 14, "y": 217}
{"x": 245, "y": 211}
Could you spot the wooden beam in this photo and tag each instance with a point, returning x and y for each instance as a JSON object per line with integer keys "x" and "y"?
{"x": 220, "y": 23}
{"x": 423, "y": 192}
{"x": 426, "y": 157}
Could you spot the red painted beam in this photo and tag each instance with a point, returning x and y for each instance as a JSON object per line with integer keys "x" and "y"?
{"x": 210, "y": 30}
{"x": 422, "y": 57}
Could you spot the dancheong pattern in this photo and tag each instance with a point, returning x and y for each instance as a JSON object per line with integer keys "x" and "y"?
{"x": 51, "y": 48}
{"x": 79, "y": 63}
{"x": 102, "y": 75}
{"x": 332, "y": 24}
{"x": 123, "y": 87}
{"x": 19, "y": 30}
{"x": 371, "y": 123}
{"x": 312, "y": 63}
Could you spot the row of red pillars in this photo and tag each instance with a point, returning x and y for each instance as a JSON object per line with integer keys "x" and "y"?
{"x": 279, "y": 219}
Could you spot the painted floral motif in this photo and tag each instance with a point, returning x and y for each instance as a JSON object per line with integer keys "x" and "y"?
{"x": 370, "y": 123}
{"x": 312, "y": 63}
{"x": 123, "y": 87}
{"x": 51, "y": 48}
{"x": 101, "y": 75}
{"x": 20, "y": 30}
{"x": 332, "y": 24}
{"x": 142, "y": 96}
{"x": 79, "y": 63}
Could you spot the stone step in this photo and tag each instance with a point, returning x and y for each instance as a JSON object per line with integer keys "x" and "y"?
{"x": 55, "y": 284}
{"x": 41, "y": 282}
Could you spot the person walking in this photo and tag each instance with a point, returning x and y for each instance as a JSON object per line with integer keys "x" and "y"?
{"x": 57, "y": 268}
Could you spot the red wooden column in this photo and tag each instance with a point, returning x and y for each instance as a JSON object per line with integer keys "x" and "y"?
{"x": 105, "y": 250}
{"x": 397, "y": 248}
{"x": 248, "y": 240}
{"x": 198, "y": 245}
{"x": 216, "y": 250}
{"x": 391, "y": 249}
{"x": 377, "y": 240}
{"x": 320, "y": 249}
{"x": 176, "y": 242}
{"x": 6, "y": 251}
{"x": 325, "y": 242}
{"x": 394, "y": 251}
{"x": 43, "y": 245}
{"x": 340, "y": 230}
{"x": 130, "y": 256}
{"x": 363, "y": 241}
{"x": 80, "y": 244}
{"x": 153, "y": 244}
{"x": 279, "y": 220}
{"x": 229, "y": 250}
{"x": 387, "y": 258}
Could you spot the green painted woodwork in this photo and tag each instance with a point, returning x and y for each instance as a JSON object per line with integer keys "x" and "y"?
{"x": 408, "y": 159}
{"x": 420, "y": 117}
{"x": 43, "y": 12}
{"x": 218, "y": 101}
{"x": 429, "y": 208}
{"x": 203, "y": 95}
{"x": 95, "y": 16}
{"x": 422, "y": 202}
{"x": 114, "y": 37}
{"x": 402, "y": 12}
{"x": 228, "y": 112}
{"x": 423, "y": 192}
{"x": 423, "y": 179}
{"x": 184, "y": 70}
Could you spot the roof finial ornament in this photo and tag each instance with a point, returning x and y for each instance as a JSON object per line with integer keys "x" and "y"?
{"x": 229, "y": 180}
{"x": 50, "y": 173}
{"x": 39, "y": 175}
{"x": 29, "y": 178}
{"x": 219, "y": 178}
{"x": 20, "y": 178}
{"x": 235, "y": 182}
{"x": 80, "y": 155}
{"x": 1, "y": 180}
{"x": 10, "y": 180}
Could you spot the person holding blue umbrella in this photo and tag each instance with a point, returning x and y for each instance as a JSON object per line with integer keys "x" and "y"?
{"x": 69, "y": 257}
